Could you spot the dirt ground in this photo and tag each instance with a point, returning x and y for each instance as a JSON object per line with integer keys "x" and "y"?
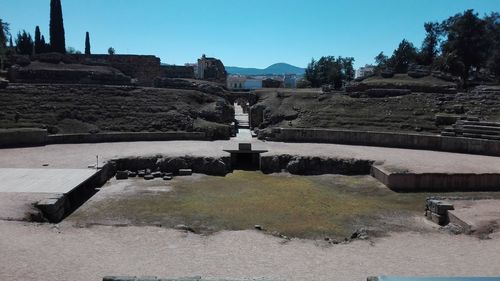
{"x": 63, "y": 252}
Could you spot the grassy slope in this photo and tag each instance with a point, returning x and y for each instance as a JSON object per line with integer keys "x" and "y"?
{"x": 80, "y": 109}
{"x": 415, "y": 112}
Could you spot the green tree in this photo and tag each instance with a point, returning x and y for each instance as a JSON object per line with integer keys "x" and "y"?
{"x": 38, "y": 41}
{"x": 57, "y": 39}
{"x": 87, "y": 43}
{"x": 430, "y": 45}
{"x": 329, "y": 70}
{"x": 381, "y": 61}
{"x": 4, "y": 32}
{"x": 403, "y": 56}
{"x": 348, "y": 68}
{"x": 45, "y": 45}
{"x": 111, "y": 51}
{"x": 493, "y": 30}
{"x": 24, "y": 43}
{"x": 467, "y": 45}
{"x": 311, "y": 74}
{"x": 11, "y": 45}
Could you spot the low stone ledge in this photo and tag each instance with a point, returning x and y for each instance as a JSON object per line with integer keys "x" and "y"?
{"x": 436, "y": 182}
{"x": 306, "y": 165}
{"x": 54, "y": 208}
{"x": 124, "y": 137}
{"x": 22, "y": 137}
{"x": 195, "y": 278}
{"x": 384, "y": 139}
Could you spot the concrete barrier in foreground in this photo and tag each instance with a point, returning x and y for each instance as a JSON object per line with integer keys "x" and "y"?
{"x": 387, "y": 139}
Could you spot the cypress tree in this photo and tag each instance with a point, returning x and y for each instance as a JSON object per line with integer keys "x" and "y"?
{"x": 87, "y": 43}
{"x": 45, "y": 46}
{"x": 38, "y": 41}
{"x": 57, "y": 40}
{"x": 11, "y": 45}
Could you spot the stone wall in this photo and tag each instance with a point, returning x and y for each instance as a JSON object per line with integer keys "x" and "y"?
{"x": 198, "y": 164}
{"x": 22, "y": 137}
{"x": 177, "y": 71}
{"x": 436, "y": 182}
{"x": 143, "y": 68}
{"x": 40, "y": 137}
{"x": 305, "y": 165}
{"x": 56, "y": 208}
{"x": 125, "y": 137}
{"x": 386, "y": 139}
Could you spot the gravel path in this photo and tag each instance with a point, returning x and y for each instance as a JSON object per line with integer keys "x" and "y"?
{"x": 81, "y": 155}
{"x": 48, "y": 252}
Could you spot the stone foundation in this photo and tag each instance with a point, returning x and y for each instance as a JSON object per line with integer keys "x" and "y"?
{"x": 305, "y": 165}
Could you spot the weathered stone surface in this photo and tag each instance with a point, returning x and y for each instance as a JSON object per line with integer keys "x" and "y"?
{"x": 148, "y": 177}
{"x": 187, "y": 84}
{"x": 379, "y": 93}
{"x": 170, "y": 165}
{"x": 3, "y": 83}
{"x": 185, "y": 172}
{"x": 157, "y": 174}
{"x": 304, "y": 165}
{"x": 39, "y": 72}
{"x": 121, "y": 175}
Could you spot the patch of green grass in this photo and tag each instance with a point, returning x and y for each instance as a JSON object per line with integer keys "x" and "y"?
{"x": 296, "y": 206}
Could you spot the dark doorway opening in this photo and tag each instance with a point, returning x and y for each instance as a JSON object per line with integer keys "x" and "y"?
{"x": 245, "y": 161}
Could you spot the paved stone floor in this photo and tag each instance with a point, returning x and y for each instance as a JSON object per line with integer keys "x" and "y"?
{"x": 42, "y": 180}
{"x": 66, "y": 156}
{"x": 21, "y": 189}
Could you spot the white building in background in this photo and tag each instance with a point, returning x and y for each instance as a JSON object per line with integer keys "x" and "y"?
{"x": 240, "y": 82}
{"x": 252, "y": 84}
{"x": 366, "y": 70}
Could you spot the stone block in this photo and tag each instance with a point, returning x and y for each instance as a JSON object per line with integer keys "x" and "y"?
{"x": 245, "y": 146}
{"x": 119, "y": 278}
{"x": 439, "y": 207}
{"x": 157, "y": 174}
{"x": 132, "y": 174}
{"x": 185, "y": 172}
{"x": 167, "y": 178}
{"x": 121, "y": 175}
{"x": 148, "y": 177}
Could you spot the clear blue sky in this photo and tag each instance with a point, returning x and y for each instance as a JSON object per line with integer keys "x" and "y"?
{"x": 248, "y": 33}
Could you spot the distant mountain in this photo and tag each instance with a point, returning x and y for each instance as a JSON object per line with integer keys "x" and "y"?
{"x": 276, "y": 69}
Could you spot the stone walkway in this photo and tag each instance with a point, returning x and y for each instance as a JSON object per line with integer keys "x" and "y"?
{"x": 66, "y": 156}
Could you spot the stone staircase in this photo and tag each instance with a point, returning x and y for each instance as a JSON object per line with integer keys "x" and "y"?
{"x": 473, "y": 128}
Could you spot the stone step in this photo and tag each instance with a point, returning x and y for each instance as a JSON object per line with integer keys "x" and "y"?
{"x": 479, "y": 123}
{"x": 480, "y": 136}
{"x": 481, "y": 132}
{"x": 448, "y": 134}
{"x": 485, "y": 128}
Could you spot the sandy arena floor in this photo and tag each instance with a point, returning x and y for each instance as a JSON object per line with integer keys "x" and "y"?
{"x": 47, "y": 252}
{"x": 82, "y": 155}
